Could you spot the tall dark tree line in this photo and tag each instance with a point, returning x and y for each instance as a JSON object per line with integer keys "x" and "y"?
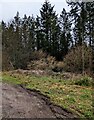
{"x": 53, "y": 34}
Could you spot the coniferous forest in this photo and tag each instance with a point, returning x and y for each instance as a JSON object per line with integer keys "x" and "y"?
{"x": 50, "y": 56}
{"x": 56, "y": 35}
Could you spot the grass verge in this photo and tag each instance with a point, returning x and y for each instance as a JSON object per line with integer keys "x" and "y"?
{"x": 65, "y": 93}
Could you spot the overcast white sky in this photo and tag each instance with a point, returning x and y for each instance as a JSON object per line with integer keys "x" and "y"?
{"x": 9, "y": 8}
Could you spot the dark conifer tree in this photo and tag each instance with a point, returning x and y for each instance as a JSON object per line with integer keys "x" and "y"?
{"x": 66, "y": 38}
{"x": 39, "y": 34}
{"x": 50, "y": 28}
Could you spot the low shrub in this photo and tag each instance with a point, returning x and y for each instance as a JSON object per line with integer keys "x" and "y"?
{"x": 74, "y": 60}
{"x": 84, "y": 81}
{"x": 38, "y": 55}
{"x": 58, "y": 67}
{"x": 6, "y": 63}
{"x": 42, "y": 63}
{"x": 45, "y": 62}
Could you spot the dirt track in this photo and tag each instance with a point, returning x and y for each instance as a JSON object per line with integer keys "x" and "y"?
{"x": 19, "y": 102}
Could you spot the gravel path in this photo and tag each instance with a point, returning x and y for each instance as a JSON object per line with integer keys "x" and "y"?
{"x": 18, "y": 102}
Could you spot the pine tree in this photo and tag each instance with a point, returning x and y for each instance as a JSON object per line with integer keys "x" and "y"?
{"x": 4, "y": 42}
{"x": 39, "y": 34}
{"x": 32, "y": 34}
{"x": 90, "y": 29}
{"x": 75, "y": 9}
{"x": 50, "y": 29}
{"x": 82, "y": 14}
{"x": 66, "y": 38}
{"x": 7, "y": 43}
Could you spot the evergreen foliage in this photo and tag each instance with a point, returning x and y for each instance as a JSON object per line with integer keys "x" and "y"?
{"x": 51, "y": 33}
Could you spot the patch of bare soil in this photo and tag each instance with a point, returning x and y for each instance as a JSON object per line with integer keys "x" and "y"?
{"x": 19, "y": 102}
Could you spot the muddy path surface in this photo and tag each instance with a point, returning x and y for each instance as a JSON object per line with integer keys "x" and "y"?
{"x": 18, "y": 102}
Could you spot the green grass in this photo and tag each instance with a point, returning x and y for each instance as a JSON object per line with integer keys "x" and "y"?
{"x": 65, "y": 93}
{"x": 10, "y": 79}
